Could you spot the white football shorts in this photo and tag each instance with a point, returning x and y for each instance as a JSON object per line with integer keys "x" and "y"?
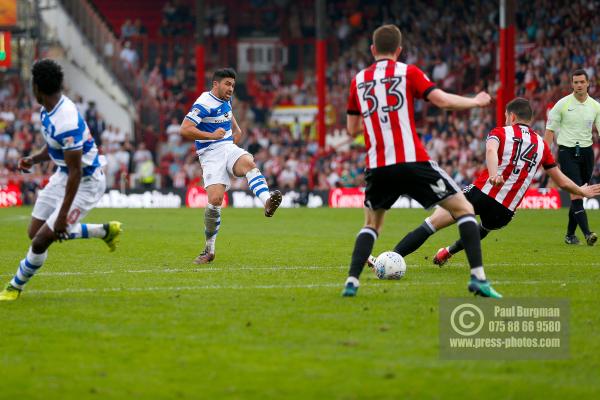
{"x": 49, "y": 200}
{"x": 217, "y": 163}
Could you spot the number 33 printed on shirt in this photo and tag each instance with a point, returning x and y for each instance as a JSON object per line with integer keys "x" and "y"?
{"x": 370, "y": 97}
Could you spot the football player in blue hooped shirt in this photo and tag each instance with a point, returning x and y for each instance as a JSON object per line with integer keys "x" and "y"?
{"x": 211, "y": 124}
{"x": 73, "y": 190}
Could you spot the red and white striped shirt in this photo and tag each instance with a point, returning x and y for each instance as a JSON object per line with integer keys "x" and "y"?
{"x": 522, "y": 151}
{"x": 384, "y": 95}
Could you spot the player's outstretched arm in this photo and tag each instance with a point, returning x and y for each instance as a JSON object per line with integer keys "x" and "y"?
{"x": 449, "y": 101}
{"x": 567, "y": 184}
{"x": 189, "y": 131}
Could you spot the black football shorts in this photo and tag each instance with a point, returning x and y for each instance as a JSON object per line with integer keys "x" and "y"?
{"x": 493, "y": 215}
{"x": 425, "y": 182}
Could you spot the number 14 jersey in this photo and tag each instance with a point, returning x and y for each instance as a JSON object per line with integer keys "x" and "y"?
{"x": 384, "y": 95}
{"x": 520, "y": 154}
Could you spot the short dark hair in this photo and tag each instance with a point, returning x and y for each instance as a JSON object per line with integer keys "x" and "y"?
{"x": 521, "y": 108}
{"x": 223, "y": 73}
{"x": 387, "y": 38}
{"x": 578, "y": 72}
{"x": 47, "y": 76}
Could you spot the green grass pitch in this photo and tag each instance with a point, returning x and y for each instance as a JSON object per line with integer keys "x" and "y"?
{"x": 266, "y": 319}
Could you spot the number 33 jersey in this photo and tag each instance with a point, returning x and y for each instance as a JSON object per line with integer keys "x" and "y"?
{"x": 520, "y": 154}
{"x": 384, "y": 95}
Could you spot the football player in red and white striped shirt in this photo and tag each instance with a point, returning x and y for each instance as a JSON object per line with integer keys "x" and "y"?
{"x": 381, "y": 106}
{"x": 514, "y": 153}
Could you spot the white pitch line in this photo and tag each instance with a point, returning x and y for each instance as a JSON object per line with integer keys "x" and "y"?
{"x": 226, "y": 269}
{"x": 233, "y": 269}
{"x": 15, "y": 218}
{"x": 181, "y": 288}
{"x": 262, "y": 287}
{"x": 511, "y": 264}
{"x": 178, "y": 270}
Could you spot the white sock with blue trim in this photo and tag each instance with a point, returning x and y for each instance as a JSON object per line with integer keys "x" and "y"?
{"x": 85, "y": 231}
{"x": 27, "y": 268}
{"x": 258, "y": 185}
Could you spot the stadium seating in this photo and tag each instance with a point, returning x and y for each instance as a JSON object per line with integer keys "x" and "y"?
{"x": 164, "y": 84}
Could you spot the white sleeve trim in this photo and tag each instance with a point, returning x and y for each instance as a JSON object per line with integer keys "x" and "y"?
{"x": 194, "y": 120}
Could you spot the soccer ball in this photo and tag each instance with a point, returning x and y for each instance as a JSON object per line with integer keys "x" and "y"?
{"x": 389, "y": 265}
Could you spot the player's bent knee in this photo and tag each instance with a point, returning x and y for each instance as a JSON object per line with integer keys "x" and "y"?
{"x": 216, "y": 201}
{"x": 469, "y": 208}
{"x": 244, "y": 164}
{"x": 440, "y": 220}
{"x": 462, "y": 209}
{"x": 461, "y": 206}
{"x": 41, "y": 241}
{"x": 34, "y": 227}
{"x": 250, "y": 164}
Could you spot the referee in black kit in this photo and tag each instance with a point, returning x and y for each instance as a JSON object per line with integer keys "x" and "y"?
{"x": 573, "y": 117}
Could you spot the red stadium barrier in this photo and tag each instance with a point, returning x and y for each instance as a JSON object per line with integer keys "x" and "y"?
{"x": 547, "y": 199}
{"x": 355, "y": 198}
{"x": 196, "y": 197}
{"x": 346, "y": 198}
{"x": 10, "y": 196}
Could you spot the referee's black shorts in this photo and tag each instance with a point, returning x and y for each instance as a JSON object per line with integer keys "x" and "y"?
{"x": 425, "y": 182}
{"x": 579, "y": 168}
{"x": 493, "y": 215}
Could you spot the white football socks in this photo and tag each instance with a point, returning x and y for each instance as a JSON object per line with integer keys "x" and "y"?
{"x": 258, "y": 184}
{"x": 478, "y": 273}
{"x": 27, "y": 268}
{"x": 352, "y": 280}
{"x": 84, "y": 231}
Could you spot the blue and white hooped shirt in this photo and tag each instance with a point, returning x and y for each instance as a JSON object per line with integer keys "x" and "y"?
{"x": 210, "y": 113}
{"x": 65, "y": 129}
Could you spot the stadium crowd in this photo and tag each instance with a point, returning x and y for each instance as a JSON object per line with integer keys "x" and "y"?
{"x": 550, "y": 42}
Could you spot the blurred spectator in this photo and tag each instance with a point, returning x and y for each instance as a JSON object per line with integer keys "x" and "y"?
{"x": 139, "y": 28}
{"x": 173, "y": 131}
{"x": 129, "y": 56}
{"x": 94, "y": 121}
{"x": 221, "y": 29}
{"x": 127, "y": 29}
{"x": 141, "y": 154}
{"x": 144, "y": 166}
{"x": 81, "y": 105}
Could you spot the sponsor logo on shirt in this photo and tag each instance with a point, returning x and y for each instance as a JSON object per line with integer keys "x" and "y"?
{"x": 69, "y": 141}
